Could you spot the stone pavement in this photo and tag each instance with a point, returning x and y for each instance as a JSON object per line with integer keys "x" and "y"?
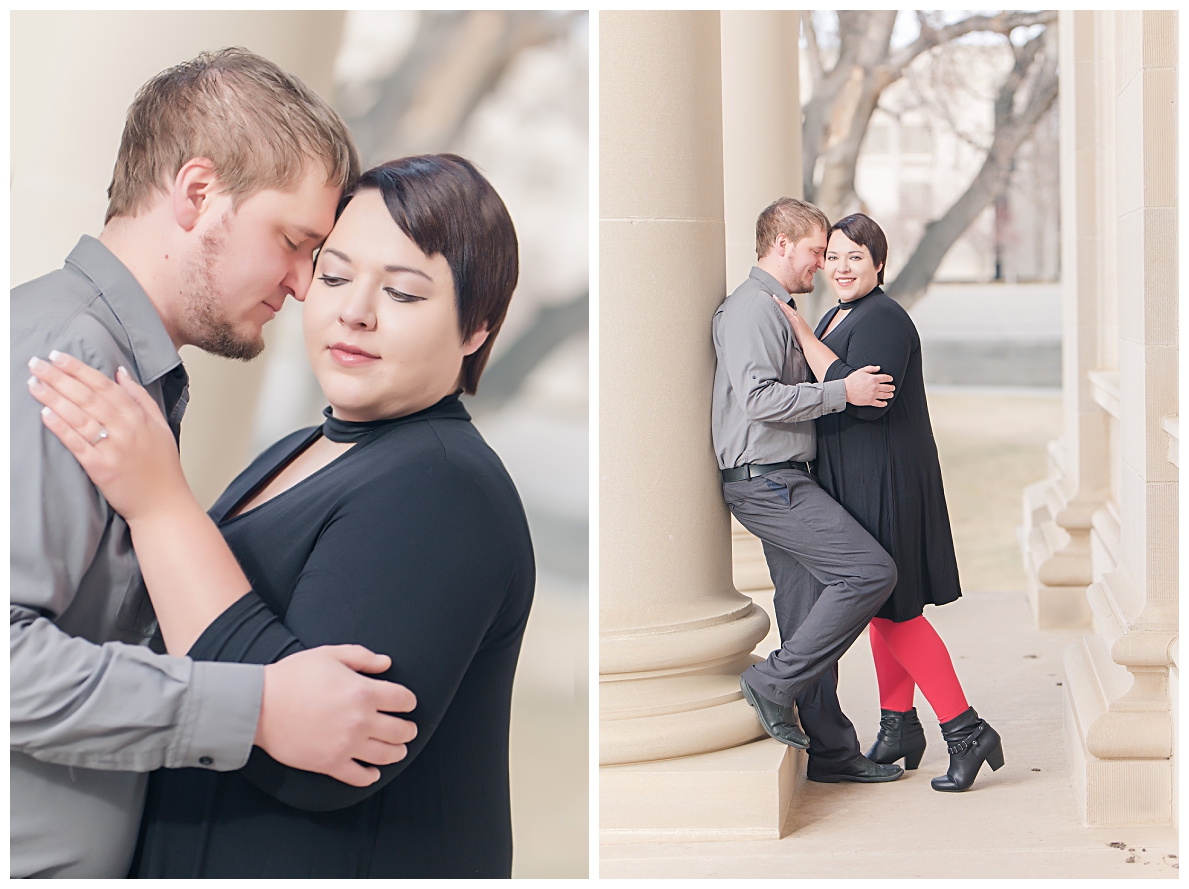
{"x": 1021, "y": 821}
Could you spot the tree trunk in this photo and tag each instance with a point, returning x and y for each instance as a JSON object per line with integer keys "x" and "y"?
{"x": 866, "y": 38}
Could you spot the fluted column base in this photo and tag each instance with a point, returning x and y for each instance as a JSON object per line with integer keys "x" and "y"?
{"x": 1056, "y": 552}
{"x": 1119, "y": 727}
{"x": 673, "y": 690}
{"x": 743, "y": 793}
{"x": 1116, "y": 792}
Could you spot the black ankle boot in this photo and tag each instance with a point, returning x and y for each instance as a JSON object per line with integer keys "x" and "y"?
{"x": 900, "y": 734}
{"x": 971, "y": 742}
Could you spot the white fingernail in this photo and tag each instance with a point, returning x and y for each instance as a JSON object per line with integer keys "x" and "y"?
{"x": 121, "y": 369}
{"x": 55, "y": 355}
{"x": 34, "y": 362}
{"x": 32, "y": 381}
{"x": 46, "y": 412}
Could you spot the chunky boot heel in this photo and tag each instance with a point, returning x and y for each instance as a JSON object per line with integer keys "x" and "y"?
{"x": 900, "y": 735}
{"x": 971, "y": 742}
{"x": 995, "y": 758}
{"x": 912, "y": 760}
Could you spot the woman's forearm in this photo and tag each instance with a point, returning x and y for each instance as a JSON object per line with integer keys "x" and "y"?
{"x": 818, "y": 355}
{"x": 191, "y": 574}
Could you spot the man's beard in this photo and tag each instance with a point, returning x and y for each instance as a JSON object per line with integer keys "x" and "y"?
{"x": 799, "y": 287}
{"x": 206, "y": 325}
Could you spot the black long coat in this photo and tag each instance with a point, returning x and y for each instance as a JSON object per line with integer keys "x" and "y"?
{"x": 881, "y": 462}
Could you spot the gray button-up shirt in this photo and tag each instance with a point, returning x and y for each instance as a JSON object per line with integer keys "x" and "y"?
{"x": 763, "y": 408}
{"x": 92, "y": 708}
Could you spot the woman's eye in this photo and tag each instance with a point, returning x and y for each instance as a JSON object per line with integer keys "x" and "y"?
{"x": 402, "y": 297}
{"x": 332, "y": 280}
{"x": 290, "y": 244}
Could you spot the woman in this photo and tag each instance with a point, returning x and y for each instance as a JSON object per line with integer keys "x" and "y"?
{"x": 392, "y": 525}
{"x": 881, "y": 464}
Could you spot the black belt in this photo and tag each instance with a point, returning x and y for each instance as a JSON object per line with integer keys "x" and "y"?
{"x": 754, "y": 470}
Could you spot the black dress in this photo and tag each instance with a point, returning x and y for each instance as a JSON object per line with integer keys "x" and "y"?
{"x": 413, "y": 543}
{"x": 881, "y": 462}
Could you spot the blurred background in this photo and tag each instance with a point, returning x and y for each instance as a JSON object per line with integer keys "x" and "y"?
{"x": 508, "y": 90}
{"x": 942, "y": 126}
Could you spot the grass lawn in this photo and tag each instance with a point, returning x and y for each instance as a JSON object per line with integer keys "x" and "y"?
{"x": 992, "y": 444}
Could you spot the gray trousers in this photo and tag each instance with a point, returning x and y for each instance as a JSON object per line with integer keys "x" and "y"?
{"x": 831, "y": 577}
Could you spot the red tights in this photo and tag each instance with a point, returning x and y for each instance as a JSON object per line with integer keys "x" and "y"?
{"x": 910, "y": 654}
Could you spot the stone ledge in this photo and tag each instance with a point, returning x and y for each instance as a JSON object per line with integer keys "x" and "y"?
{"x": 742, "y": 793}
{"x": 1104, "y": 389}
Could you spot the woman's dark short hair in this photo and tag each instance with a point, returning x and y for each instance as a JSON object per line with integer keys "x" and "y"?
{"x": 445, "y": 206}
{"x": 864, "y": 230}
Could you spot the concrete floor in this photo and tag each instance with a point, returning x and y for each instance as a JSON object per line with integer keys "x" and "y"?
{"x": 1021, "y": 821}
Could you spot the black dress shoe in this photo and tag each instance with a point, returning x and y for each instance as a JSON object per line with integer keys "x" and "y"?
{"x": 900, "y": 734}
{"x": 971, "y": 742}
{"x": 860, "y": 770}
{"x": 776, "y": 719}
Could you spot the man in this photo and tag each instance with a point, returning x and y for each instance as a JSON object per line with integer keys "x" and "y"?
{"x": 830, "y": 575}
{"x": 226, "y": 182}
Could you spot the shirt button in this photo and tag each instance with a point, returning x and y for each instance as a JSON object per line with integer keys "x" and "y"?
{"x": 205, "y": 761}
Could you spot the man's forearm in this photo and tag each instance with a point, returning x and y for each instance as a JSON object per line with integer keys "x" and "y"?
{"x": 123, "y": 707}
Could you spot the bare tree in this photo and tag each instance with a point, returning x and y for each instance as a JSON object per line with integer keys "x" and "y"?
{"x": 845, "y": 95}
{"x": 1026, "y": 94}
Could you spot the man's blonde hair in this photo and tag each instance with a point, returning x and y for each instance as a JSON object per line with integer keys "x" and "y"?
{"x": 789, "y": 217}
{"x": 259, "y": 126}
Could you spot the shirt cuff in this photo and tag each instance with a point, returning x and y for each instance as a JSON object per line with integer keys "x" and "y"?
{"x": 218, "y": 724}
{"x": 834, "y": 396}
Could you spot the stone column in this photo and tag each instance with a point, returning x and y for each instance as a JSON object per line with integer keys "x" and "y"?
{"x": 1118, "y": 720}
{"x": 674, "y": 633}
{"x": 1057, "y": 510}
{"x": 761, "y": 118}
{"x": 75, "y": 74}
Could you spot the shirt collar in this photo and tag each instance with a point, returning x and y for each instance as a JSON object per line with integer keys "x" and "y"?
{"x": 152, "y": 349}
{"x": 769, "y": 283}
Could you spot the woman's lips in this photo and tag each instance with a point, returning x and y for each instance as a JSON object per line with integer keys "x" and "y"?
{"x": 350, "y": 356}
{"x": 844, "y": 282}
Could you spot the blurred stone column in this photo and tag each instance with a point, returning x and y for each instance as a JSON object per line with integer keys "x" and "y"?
{"x": 74, "y": 76}
{"x": 1120, "y": 716}
{"x": 1057, "y": 510}
{"x": 761, "y": 118}
{"x": 674, "y": 633}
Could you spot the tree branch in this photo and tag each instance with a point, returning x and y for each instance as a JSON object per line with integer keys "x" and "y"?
{"x": 812, "y": 51}
{"x": 1011, "y": 129}
{"x": 1003, "y": 23}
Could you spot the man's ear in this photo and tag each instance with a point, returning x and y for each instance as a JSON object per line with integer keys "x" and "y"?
{"x": 193, "y": 188}
{"x": 782, "y": 244}
{"x": 476, "y": 339}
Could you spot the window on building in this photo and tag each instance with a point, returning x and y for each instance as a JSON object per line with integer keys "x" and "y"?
{"x": 916, "y": 139}
{"x": 916, "y": 199}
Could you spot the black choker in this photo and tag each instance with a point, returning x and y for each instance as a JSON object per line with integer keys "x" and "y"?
{"x": 345, "y": 430}
{"x": 335, "y": 429}
{"x": 844, "y": 306}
